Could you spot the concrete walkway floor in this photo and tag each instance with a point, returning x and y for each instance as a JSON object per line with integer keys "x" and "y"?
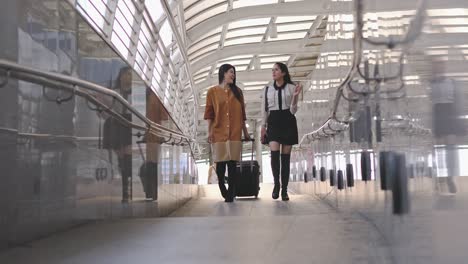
{"x": 207, "y": 230}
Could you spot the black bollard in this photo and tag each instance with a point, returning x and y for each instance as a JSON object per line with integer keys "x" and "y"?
{"x": 400, "y": 186}
{"x": 332, "y": 177}
{"x": 365, "y": 166}
{"x": 387, "y": 169}
{"x": 323, "y": 174}
{"x": 340, "y": 180}
{"x": 349, "y": 175}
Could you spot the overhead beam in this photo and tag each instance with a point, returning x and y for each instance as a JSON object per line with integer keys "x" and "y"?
{"x": 301, "y": 8}
{"x": 305, "y": 8}
{"x": 275, "y": 47}
{"x": 313, "y": 29}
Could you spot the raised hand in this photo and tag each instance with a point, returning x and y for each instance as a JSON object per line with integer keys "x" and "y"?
{"x": 298, "y": 89}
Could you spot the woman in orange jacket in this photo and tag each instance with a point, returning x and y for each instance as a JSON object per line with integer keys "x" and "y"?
{"x": 225, "y": 112}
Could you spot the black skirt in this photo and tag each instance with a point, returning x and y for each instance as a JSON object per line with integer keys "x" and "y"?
{"x": 282, "y": 127}
{"x": 115, "y": 134}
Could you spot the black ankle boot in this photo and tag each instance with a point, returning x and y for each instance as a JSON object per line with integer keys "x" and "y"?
{"x": 232, "y": 176}
{"x": 220, "y": 171}
{"x": 276, "y": 190}
{"x": 223, "y": 189}
{"x": 284, "y": 194}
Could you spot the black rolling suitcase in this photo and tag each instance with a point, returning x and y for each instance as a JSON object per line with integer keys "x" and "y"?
{"x": 248, "y": 180}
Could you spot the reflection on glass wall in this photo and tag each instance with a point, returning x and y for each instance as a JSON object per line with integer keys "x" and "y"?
{"x": 142, "y": 35}
{"x": 64, "y": 160}
{"x": 398, "y": 132}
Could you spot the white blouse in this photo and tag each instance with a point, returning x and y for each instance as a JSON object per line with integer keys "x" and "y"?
{"x": 287, "y": 95}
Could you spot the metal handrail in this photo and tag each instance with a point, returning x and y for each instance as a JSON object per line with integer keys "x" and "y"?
{"x": 414, "y": 28}
{"x": 411, "y": 35}
{"x": 90, "y": 98}
{"x": 44, "y": 77}
{"x": 357, "y": 47}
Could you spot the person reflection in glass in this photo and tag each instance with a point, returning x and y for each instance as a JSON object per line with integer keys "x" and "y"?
{"x": 447, "y": 126}
{"x": 118, "y": 136}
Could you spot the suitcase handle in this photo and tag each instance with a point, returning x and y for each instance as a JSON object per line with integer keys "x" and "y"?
{"x": 251, "y": 155}
{"x": 253, "y": 141}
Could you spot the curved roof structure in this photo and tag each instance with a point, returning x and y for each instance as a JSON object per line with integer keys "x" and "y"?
{"x": 252, "y": 36}
{"x": 176, "y": 46}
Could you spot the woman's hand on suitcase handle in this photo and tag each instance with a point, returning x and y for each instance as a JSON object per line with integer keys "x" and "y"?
{"x": 246, "y": 134}
{"x": 263, "y": 131}
{"x": 210, "y": 136}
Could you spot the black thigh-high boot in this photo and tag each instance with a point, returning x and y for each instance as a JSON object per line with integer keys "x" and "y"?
{"x": 232, "y": 180}
{"x": 151, "y": 180}
{"x": 221, "y": 171}
{"x": 125, "y": 164}
{"x": 285, "y": 159}
{"x": 275, "y": 168}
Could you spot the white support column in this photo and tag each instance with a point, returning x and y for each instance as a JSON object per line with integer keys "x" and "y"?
{"x": 225, "y": 26}
{"x": 223, "y": 37}
{"x": 152, "y": 56}
{"x": 137, "y": 20}
{"x": 154, "y": 38}
{"x": 109, "y": 19}
{"x": 183, "y": 50}
{"x": 213, "y": 68}
{"x": 183, "y": 28}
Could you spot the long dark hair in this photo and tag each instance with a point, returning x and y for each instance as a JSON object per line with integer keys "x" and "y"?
{"x": 118, "y": 82}
{"x": 234, "y": 89}
{"x": 284, "y": 69}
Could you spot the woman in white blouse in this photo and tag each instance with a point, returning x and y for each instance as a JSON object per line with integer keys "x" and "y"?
{"x": 279, "y": 128}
